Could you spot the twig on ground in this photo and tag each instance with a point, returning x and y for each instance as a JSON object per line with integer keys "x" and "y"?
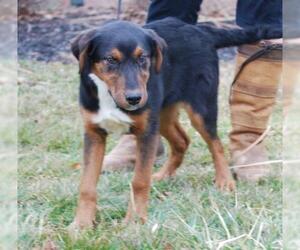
{"x": 256, "y": 164}
{"x": 223, "y": 243}
{"x": 258, "y": 140}
{"x": 209, "y": 241}
{"x": 216, "y": 210}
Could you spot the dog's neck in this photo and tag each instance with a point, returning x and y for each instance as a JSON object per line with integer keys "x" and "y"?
{"x": 109, "y": 116}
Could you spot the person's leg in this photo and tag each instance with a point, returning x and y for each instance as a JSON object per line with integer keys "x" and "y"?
{"x": 123, "y": 155}
{"x": 252, "y": 99}
{"x": 77, "y": 3}
{"x": 187, "y": 11}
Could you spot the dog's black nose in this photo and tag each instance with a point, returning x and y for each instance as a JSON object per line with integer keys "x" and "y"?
{"x": 133, "y": 99}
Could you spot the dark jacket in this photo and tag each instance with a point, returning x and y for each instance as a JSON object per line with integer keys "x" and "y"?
{"x": 248, "y": 12}
{"x": 259, "y": 12}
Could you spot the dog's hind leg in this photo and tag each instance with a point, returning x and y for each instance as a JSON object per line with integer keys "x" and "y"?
{"x": 178, "y": 141}
{"x": 207, "y": 129}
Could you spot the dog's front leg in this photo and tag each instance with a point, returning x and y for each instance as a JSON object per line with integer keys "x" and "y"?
{"x": 141, "y": 183}
{"x": 94, "y": 148}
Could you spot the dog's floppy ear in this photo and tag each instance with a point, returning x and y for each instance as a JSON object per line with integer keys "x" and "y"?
{"x": 81, "y": 46}
{"x": 159, "y": 45}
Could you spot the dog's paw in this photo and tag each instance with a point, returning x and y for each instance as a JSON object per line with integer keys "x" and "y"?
{"x": 163, "y": 175}
{"x": 135, "y": 215}
{"x": 225, "y": 183}
{"x": 74, "y": 230}
{"x": 129, "y": 219}
{"x": 76, "y": 227}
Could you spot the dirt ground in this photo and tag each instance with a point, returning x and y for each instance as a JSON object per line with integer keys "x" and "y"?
{"x": 45, "y": 34}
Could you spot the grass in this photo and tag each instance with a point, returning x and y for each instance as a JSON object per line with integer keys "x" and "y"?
{"x": 291, "y": 177}
{"x": 186, "y": 212}
{"x": 8, "y": 154}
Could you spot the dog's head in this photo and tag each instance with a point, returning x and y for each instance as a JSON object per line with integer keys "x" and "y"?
{"x": 122, "y": 55}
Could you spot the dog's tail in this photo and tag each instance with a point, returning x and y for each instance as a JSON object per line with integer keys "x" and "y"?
{"x": 227, "y": 37}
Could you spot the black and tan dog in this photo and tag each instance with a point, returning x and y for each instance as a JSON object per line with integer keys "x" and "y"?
{"x": 134, "y": 80}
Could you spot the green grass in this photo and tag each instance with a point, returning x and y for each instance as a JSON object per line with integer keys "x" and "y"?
{"x": 186, "y": 212}
{"x": 8, "y": 154}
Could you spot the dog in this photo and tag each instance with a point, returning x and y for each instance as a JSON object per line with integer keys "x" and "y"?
{"x": 134, "y": 80}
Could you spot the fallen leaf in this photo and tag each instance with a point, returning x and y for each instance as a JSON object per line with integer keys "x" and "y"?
{"x": 76, "y": 166}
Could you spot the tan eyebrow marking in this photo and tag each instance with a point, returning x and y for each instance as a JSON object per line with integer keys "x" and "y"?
{"x": 138, "y": 52}
{"x": 117, "y": 54}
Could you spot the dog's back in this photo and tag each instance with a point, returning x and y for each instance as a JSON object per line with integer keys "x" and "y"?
{"x": 171, "y": 28}
{"x": 191, "y": 61}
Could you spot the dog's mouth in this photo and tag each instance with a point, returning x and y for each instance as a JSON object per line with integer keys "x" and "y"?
{"x": 126, "y": 107}
{"x": 132, "y": 108}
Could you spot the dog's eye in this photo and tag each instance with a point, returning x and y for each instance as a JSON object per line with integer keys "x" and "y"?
{"x": 111, "y": 60}
{"x": 142, "y": 59}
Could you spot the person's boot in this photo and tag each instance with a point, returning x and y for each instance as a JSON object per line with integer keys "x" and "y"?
{"x": 252, "y": 99}
{"x": 123, "y": 155}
